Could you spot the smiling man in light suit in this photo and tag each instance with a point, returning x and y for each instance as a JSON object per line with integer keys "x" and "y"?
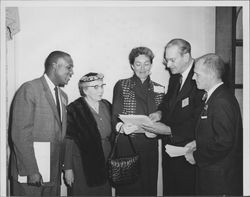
{"x": 39, "y": 115}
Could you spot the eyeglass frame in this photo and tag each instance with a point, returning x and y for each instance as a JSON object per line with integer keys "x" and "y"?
{"x": 173, "y": 60}
{"x": 97, "y": 86}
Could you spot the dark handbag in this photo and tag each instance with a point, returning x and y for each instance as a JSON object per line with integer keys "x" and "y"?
{"x": 123, "y": 170}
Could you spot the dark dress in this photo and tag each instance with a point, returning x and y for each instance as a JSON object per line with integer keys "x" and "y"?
{"x": 133, "y": 97}
{"x": 75, "y": 153}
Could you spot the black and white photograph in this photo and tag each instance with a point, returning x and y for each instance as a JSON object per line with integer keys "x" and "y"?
{"x": 124, "y": 98}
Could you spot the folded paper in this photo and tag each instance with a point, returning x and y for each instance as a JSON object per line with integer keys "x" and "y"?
{"x": 136, "y": 119}
{"x": 175, "y": 151}
{"x": 42, "y": 154}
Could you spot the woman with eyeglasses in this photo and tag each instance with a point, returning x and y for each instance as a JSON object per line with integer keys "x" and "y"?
{"x": 87, "y": 143}
{"x": 138, "y": 95}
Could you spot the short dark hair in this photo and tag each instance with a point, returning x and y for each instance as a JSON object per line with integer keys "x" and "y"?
{"x": 214, "y": 63}
{"x": 135, "y": 52}
{"x": 52, "y": 58}
{"x": 183, "y": 45}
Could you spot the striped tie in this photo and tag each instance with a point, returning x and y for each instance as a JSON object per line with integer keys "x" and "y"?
{"x": 204, "y": 97}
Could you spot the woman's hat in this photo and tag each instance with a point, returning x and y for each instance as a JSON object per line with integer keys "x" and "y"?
{"x": 91, "y": 77}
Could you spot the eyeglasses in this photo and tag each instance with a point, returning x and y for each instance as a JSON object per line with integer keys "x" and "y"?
{"x": 97, "y": 86}
{"x": 165, "y": 61}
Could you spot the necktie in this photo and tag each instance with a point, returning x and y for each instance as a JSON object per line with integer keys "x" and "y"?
{"x": 180, "y": 82}
{"x": 204, "y": 97}
{"x": 178, "y": 86}
{"x": 57, "y": 101}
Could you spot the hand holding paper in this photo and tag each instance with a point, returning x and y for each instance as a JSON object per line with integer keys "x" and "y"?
{"x": 156, "y": 116}
{"x": 175, "y": 151}
{"x": 157, "y": 128}
{"x": 133, "y": 123}
{"x": 137, "y": 120}
{"x": 35, "y": 180}
{"x": 190, "y": 157}
{"x": 69, "y": 177}
{"x": 42, "y": 154}
{"x": 189, "y": 154}
{"x": 191, "y": 145}
{"x": 129, "y": 128}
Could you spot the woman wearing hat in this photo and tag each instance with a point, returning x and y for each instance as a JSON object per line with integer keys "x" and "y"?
{"x": 88, "y": 139}
{"x": 138, "y": 95}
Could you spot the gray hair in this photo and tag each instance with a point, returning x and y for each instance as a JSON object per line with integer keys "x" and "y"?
{"x": 183, "y": 45}
{"x": 213, "y": 63}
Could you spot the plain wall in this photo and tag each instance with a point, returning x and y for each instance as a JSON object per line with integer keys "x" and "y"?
{"x": 99, "y": 39}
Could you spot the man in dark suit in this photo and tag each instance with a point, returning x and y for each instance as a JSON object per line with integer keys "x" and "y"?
{"x": 218, "y": 149}
{"x": 178, "y": 112}
{"x": 39, "y": 115}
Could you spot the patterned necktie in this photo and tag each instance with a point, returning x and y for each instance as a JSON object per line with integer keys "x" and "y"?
{"x": 204, "y": 97}
{"x": 57, "y": 101}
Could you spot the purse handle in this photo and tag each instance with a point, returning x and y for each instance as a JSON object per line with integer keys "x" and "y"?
{"x": 115, "y": 144}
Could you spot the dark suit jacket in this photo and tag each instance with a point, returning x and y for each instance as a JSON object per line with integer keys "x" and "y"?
{"x": 181, "y": 112}
{"x": 35, "y": 119}
{"x": 219, "y": 145}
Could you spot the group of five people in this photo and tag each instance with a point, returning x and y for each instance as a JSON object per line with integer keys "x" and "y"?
{"x": 81, "y": 133}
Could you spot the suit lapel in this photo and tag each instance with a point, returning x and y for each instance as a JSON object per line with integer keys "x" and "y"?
{"x": 151, "y": 102}
{"x": 174, "y": 97}
{"x": 206, "y": 104}
{"x": 188, "y": 84}
{"x": 215, "y": 93}
{"x": 50, "y": 99}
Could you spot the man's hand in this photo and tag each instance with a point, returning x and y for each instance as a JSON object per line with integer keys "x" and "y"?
{"x": 35, "y": 180}
{"x": 191, "y": 145}
{"x": 69, "y": 177}
{"x": 156, "y": 116}
{"x": 129, "y": 128}
{"x": 157, "y": 128}
{"x": 189, "y": 156}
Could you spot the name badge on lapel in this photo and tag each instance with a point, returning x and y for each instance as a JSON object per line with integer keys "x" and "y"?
{"x": 159, "y": 89}
{"x": 185, "y": 102}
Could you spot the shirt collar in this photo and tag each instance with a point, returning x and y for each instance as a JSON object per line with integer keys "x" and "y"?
{"x": 50, "y": 83}
{"x": 138, "y": 80}
{"x": 210, "y": 92}
{"x": 185, "y": 73}
{"x": 52, "y": 90}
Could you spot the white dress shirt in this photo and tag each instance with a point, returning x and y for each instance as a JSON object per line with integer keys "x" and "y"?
{"x": 185, "y": 73}
{"x": 51, "y": 87}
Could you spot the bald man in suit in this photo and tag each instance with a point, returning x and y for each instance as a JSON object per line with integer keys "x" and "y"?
{"x": 218, "y": 147}
{"x": 39, "y": 115}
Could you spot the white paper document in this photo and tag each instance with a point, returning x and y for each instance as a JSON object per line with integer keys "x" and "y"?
{"x": 136, "y": 119}
{"x": 175, "y": 151}
{"x": 42, "y": 154}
